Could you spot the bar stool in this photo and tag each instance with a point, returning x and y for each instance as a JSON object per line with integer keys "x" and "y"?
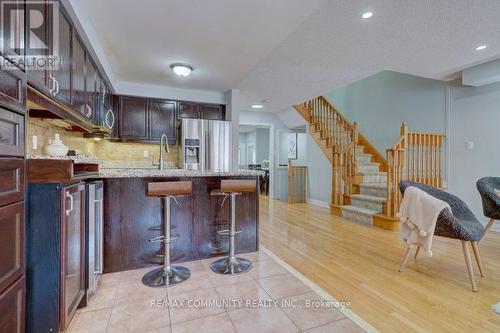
{"x": 232, "y": 264}
{"x": 167, "y": 275}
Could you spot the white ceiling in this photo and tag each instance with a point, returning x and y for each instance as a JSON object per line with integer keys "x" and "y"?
{"x": 222, "y": 39}
{"x": 286, "y": 51}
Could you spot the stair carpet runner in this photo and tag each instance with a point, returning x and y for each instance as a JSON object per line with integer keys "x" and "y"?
{"x": 373, "y": 191}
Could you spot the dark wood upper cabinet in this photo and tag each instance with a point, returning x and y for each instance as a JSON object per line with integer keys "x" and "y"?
{"x": 162, "y": 120}
{"x": 12, "y": 40}
{"x": 11, "y": 133}
{"x": 133, "y": 118}
{"x": 60, "y": 75}
{"x": 13, "y": 88}
{"x": 78, "y": 76}
{"x": 38, "y": 76}
{"x": 12, "y": 308}
{"x": 90, "y": 89}
{"x": 12, "y": 240}
{"x": 212, "y": 111}
{"x": 189, "y": 110}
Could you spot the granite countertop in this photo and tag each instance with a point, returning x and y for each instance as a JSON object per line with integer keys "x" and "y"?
{"x": 147, "y": 173}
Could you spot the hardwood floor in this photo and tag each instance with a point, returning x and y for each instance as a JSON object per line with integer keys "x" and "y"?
{"x": 360, "y": 264}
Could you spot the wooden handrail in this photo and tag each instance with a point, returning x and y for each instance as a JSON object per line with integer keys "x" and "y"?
{"x": 416, "y": 156}
{"x": 297, "y": 183}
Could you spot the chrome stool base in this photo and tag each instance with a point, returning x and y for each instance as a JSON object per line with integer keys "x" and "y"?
{"x": 231, "y": 266}
{"x": 162, "y": 277}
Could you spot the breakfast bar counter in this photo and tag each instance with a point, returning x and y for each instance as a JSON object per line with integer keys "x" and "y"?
{"x": 131, "y": 218}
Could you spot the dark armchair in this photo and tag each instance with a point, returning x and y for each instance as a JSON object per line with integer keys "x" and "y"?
{"x": 459, "y": 224}
{"x": 491, "y": 201}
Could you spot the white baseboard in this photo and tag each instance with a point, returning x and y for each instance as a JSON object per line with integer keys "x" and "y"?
{"x": 318, "y": 202}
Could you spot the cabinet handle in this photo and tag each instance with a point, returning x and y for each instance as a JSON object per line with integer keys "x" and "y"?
{"x": 70, "y": 203}
{"x": 52, "y": 84}
{"x": 110, "y": 112}
{"x": 56, "y": 84}
{"x": 89, "y": 113}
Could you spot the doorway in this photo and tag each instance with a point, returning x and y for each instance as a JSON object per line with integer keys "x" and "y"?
{"x": 255, "y": 152}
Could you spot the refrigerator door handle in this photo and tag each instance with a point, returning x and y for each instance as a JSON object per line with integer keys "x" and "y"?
{"x": 207, "y": 148}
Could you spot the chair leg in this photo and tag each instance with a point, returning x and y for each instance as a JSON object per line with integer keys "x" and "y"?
{"x": 405, "y": 259}
{"x": 478, "y": 258}
{"x": 488, "y": 226}
{"x": 468, "y": 262}
{"x": 416, "y": 252}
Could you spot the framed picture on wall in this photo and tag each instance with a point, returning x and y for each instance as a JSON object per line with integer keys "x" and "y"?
{"x": 292, "y": 146}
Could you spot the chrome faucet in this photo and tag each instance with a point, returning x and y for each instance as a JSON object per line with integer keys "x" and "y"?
{"x": 163, "y": 138}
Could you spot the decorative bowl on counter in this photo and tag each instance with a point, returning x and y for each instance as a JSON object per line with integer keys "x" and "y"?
{"x": 56, "y": 147}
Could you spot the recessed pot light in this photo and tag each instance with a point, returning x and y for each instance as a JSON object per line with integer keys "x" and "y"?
{"x": 481, "y": 47}
{"x": 181, "y": 70}
{"x": 257, "y": 106}
{"x": 367, "y": 15}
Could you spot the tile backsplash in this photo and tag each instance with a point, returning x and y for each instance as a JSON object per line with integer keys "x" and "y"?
{"x": 104, "y": 150}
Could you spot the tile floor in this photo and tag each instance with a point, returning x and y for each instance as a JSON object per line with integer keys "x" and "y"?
{"x": 266, "y": 299}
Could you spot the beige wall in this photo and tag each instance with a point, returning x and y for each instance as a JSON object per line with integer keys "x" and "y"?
{"x": 104, "y": 150}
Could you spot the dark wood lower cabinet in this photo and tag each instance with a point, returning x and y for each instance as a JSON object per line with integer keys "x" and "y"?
{"x": 55, "y": 241}
{"x": 12, "y": 308}
{"x": 11, "y": 180}
{"x": 12, "y": 242}
{"x": 130, "y": 218}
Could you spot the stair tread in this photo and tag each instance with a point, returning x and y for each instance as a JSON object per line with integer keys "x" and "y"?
{"x": 377, "y": 185}
{"x": 360, "y": 210}
{"x": 374, "y": 173}
{"x": 368, "y": 197}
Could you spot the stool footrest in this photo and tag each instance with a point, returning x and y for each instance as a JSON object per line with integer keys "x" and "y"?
{"x": 161, "y": 239}
{"x": 228, "y": 232}
{"x": 158, "y": 239}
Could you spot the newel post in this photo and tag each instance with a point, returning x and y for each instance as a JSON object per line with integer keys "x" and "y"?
{"x": 404, "y": 131}
{"x": 404, "y": 134}
{"x": 355, "y": 136}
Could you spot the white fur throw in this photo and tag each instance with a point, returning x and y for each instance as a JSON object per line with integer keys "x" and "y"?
{"x": 418, "y": 215}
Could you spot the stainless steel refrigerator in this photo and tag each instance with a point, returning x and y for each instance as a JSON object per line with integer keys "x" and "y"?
{"x": 206, "y": 145}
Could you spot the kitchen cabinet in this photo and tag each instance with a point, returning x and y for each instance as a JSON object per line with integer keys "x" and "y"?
{"x": 212, "y": 111}
{"x": 162, "y": 120}
{"x": 60, "y": 76}
{"x": 189, "y": 110}
{"x": 11, "y": 180}
{"x": 12, "y": 88}
{"x": 38, "y": 73}
{"x": 78, "y": 77}
{"x": 11, "y": 133}
{"x": 11, "y": 238}
{"x": 133, "y": 118}
{"x": 12, "y": 308}
{"x": 201, "y": 111}
{"x": 55, "y": 260}
{"x": 90, "y": 89}
{"x": 12, "y": 41}
{"x": 72, "y": 251}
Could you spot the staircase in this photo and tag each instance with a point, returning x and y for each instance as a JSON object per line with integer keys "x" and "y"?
{"x": 372, "y": 196}
{"x": 365, "y": 185}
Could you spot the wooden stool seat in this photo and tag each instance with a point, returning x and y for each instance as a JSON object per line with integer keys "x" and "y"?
{"x": 164, "y": 189}
{"x": 237, "y": 185}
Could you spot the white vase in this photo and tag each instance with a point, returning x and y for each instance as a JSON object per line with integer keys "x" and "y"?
{"x": 56, "y": 147}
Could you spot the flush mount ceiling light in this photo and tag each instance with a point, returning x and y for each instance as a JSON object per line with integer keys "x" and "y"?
{"x": 481, "y": 47}
{"x": 181, "y": 70}
{"x": 366, "y": 15}
{"x": 257, "y": 106}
